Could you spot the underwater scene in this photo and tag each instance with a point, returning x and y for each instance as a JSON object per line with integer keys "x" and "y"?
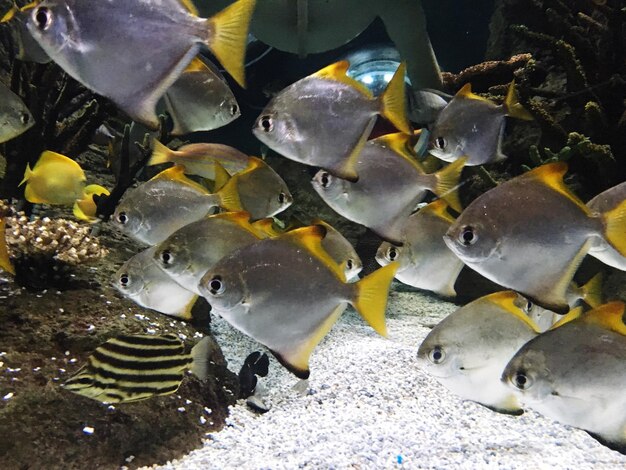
{"x": 278, "y": 234}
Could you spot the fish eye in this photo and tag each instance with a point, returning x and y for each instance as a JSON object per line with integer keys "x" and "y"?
{"x": 437, "y": 355}
{"x": 25, "y": 118}
{"x": 468, "y": 236}
{"x": 124, "y": 280}
{"x": 392, "y": 253}
{"x": 521, "y": 380}
{"x": 281, "y": 197}
{"x": 216, "y": 286}
{"x": 43, "y": 18}
{"x": 440, "y": 143}
{"x": 234, "y": 109}
{"x": 325, "y": 179}
{"x": 167, "y": 257}
{"x": 122, "y": 218}
{"x": 529, "y": 306}
{"x": 349, "y": 264}
{"x": 266, "y": 123}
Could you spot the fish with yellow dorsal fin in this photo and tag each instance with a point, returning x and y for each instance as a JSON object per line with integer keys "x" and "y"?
{"x": 467, "y": 351}
{"x": 157, "y": 208}
{"x": 85, "y": 207}
{"x": 286, "y": 292}
{"x": 531, "y": 233}
{"x": 391, "y": 185}
{"x": 55, "y": 179}
{"x": 193, "y": 249}
{"x": 142, "y": 281}
{"x": 200, "y": 159}
{"x": 575, "y": 373}
{"x": 424, "y": 259}
{"x": 200, "y": 100}
{"x": 132, "y": 51}
{"x": 325, "y": 119}
{"x": 472, "y": 126}
{"x": 5, "y": 261}
{"x": 603, "y": 202}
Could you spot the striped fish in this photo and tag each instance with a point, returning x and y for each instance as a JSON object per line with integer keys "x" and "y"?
{"x": 136, "y": 367}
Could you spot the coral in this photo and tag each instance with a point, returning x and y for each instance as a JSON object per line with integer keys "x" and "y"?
{"x": 486, "y": 74}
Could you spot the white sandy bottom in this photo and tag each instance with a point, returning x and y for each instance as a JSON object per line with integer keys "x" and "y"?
{"x": 369, "y": 406}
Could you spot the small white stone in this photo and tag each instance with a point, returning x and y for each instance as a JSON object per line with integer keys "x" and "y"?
{"x": 181, "y": 409}
{"x": 150, "y": 331}
{"x": 8, "y": 396}
{"x": 202, "y": 420}
{"x": 88, "y": 430}
{"x": 61, "y": 310}
{"x": 91, "y": 328}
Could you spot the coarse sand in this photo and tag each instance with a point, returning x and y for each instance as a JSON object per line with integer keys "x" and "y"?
{"x": 369, "y": 406}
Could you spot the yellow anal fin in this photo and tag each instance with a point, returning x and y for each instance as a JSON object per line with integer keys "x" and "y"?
{"x": 337, "y": 72}
{"x": 221, "y": 176}
{"x": 371, "y": 296}
{"x": 448, "y": 182}
{"x": 347, "y": 169}
{"x": 393, "y": 101}
{"x": 5, "y": 261}
{"x": 296, "y": 359}
{"x": 228, "y": 36}
{"x": 229, "y": 195}
{"x": 615, "y": 227}
{"x": 266, "y": 227}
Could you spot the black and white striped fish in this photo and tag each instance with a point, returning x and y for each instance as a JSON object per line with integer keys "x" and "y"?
{"x": 136, "y": 367}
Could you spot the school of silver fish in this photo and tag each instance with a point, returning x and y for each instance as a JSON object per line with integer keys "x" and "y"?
{"x": 209, "y": 218}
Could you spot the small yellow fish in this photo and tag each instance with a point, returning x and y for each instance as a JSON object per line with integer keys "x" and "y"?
{"x": 5, "y": 262}
{"x": 55, "y": 179}
{"x": 85, "y": 208}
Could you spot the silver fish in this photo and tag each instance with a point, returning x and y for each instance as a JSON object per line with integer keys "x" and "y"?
{"x": 141, "y": 280}
{"x": 467, "y": 351}
{"x": 531, "y": 233}
{"x": 386, "y": 167}
{"x": 286, "y": 293}
{"x": 200, "y": 159}
{"x": 157, "y": 208}
{"x": 132, "y": 51}
{"x": 424, "y": 259}
{"x": 15, "y": 118}
{"x": 200, "y": 100}
{"x": 325, "y": 119}
{"x": 260, "y": 190}
{"x": 472, "y": 126}
{"x": 575, "y": 373}
{"x": 136, "y": 367}
{"x": 606, "y": 201}
{"x": 192, "y": 250}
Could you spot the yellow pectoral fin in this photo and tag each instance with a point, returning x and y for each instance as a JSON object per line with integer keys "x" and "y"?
{"x": 296, "y": 358}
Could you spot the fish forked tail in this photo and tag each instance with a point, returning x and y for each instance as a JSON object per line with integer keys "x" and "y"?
{"x": 160, "y": 153}
{"x": 371, "y": 296}
{"x": 591, "y": 292}
{"x": 393, "y": 101}
{"x": 447, "y": 186}
{"x": 615, "y": 227}
{"x": 513, "y": 107}
{"x": 201, "y": 357}
{"x": 228, "y": 36}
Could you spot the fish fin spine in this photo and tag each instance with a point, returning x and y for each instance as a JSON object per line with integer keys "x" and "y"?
{"x": 448, "y": 181}
{"x": 393, "y": 101}
{"x": 28, "y": 173}
{"x": 615, "y": 227}
{"x": 513, "y": 107}
{"x": 228, "y": 35}
{"x": 160, "y": 153}
{"x": 371, "y": 296}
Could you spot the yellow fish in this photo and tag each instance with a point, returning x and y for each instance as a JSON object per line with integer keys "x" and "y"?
{"x": 85, "y": 207}
{"x": 5, "y": 262}
{"x": 55, "y": 179}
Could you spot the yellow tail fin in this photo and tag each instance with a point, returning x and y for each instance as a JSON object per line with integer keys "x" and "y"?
{"x": 5, "y": 262}
{"x": 513, "y": 107}
{"x": 448, "y": 182}
{"x": 393, "y": 101}
{"x": 221, "y": 176}
{"x": 371, "y": 297}
{"x": 228, "y": 36}
{"x": 615, "y": 227}
{"x": 591, "y": 292}
{"x": 160, "y": 154}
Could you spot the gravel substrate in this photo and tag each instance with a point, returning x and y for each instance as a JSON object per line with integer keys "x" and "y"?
{"x": 368, "y": 406}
